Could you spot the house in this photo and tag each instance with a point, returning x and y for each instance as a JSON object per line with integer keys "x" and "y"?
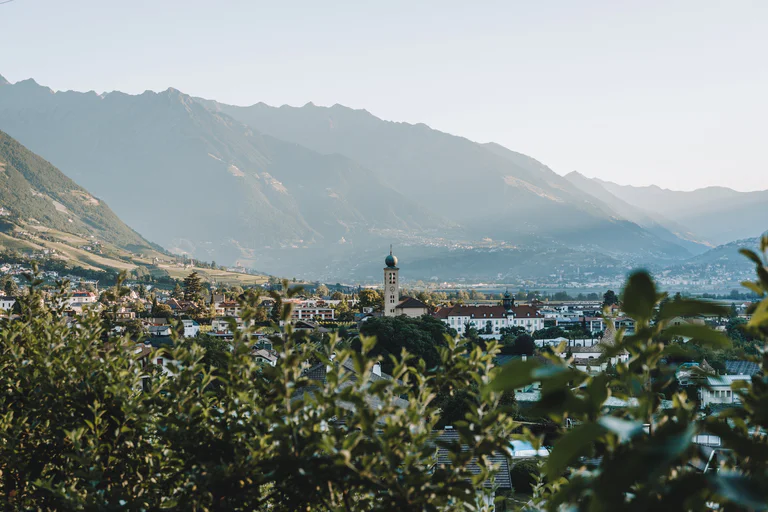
{"x": 265, "y": 356}
{"x": 491, "y": 319}
{"x": 228, "y": 308}
{"x": 83, "y": 297}
{"x": 316, "y": 311}
{"x": 501, "y": 481}
{"x": 692, "y": 373}
{"x": 591, "y": 359}
{"x": 720, "y": 391}
{"x": 79, "y": 300}
{"x": 307, "y": 325}
{"x": 684, "y": 320}
{"x": 319, "y": 373}
{"x": 159, "y": 330}
{"x": 411, "y": 307}
{"x": 7, "y": 303}
{"x": 191, "y": 328}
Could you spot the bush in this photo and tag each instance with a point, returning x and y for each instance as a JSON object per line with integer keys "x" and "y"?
{"x": 86, "y": 426}
{"x": 522, "y": 474}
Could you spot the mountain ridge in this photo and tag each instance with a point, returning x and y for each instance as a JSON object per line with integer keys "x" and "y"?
{"x": 36, "y": 193}
{"x": 249, "y": 190}
{"x": 415, "y": 158}
{"x": 718, "y": 214}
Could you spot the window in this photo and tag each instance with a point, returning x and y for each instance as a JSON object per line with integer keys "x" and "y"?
{"x": 160, "y": 361}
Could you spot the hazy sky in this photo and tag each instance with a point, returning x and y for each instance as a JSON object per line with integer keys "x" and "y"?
{"x": 638, "y": 92}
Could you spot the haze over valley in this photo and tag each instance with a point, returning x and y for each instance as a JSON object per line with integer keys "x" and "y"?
{"x": 317, "y": 188}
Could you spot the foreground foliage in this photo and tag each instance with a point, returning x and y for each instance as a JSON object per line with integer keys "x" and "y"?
{"x": 642, "y": 456}
{"x": 84, "y": 426}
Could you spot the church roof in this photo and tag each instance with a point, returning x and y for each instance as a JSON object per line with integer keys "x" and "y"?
{"x": 411, "y": 303}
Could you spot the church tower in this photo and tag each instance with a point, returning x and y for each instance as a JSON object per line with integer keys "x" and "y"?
{"x": 391, "y": 284}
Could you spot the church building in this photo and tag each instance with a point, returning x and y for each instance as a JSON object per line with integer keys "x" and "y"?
{"x": 393, "y": 306}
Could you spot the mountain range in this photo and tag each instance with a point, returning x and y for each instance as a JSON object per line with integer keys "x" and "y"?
{"x": 36, "y": 195}
{"x": 277, "y": 187}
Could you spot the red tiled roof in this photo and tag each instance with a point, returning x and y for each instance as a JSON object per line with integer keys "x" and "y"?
{"x": 526, "y": 312}
{"x": 442, "y": 313}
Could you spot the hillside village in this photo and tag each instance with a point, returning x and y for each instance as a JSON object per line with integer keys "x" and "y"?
{"x": 581, "y": 331}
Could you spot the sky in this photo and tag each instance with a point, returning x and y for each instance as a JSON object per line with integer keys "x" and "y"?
{"x": 671, "y": 93}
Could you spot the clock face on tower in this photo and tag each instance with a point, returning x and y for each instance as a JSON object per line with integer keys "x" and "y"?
{"x": 391, "y": 288}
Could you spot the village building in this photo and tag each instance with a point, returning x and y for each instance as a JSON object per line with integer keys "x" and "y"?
{"x": 720, "y": 391}
{"x": 489, "y": 320}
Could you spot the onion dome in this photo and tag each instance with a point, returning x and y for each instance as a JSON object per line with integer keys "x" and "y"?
{"x": 391, "y": 259}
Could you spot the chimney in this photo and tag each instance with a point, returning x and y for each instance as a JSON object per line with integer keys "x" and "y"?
{"x": 376, "y": 369}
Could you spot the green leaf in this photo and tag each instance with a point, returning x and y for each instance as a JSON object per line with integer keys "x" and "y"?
{"x": 755, "y": 287}
{"x": 752, "y": 256}
{"x": 576, "y": 442}
{"x": 699, "y": 333}
{"x": 639, "y": 296}
{"x": 740, "y": 489}
{"x": 624, "y": 429}
{"x": 690, "y": 307}
{"x": 514, "y": 375}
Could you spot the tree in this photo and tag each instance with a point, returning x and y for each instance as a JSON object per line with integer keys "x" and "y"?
{"x": 193, "y": 287}
{"x": 549, "y": 333}
{"x": 141, "y": 290}
{"x": 235, "y": 292}
{"x": 369, "y": 298}
{"x": 337, "y": 295}
{"x": 523, "y": 474}
{"x": 177, "y": 292}
{"x": 322, "y": 291}
{"x": 160, "y": 310}
{"x": 276, "y": 314}
{"x": 421, "y": 337}
{"x": 10, "y": 288}
{"x": 610, "y": 298}
{"x": 193, "y": 442}
{"x": 524, "y": 345}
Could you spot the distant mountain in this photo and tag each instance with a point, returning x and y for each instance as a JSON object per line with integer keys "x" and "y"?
{"x": 201, "y": 182}
{"x": 491, "y": 191}
{"x": 728, "y": 255}
{"x": 36, "y": 194}
{"x": 718, "y": 214}
{"x": 664, "y": 228}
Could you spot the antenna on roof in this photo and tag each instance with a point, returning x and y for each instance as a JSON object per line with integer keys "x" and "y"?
{"x": 390, "y": 248}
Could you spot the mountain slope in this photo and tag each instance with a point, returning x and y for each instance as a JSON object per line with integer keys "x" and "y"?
{"x": 716, "y": 213}
{"x": 658, "y": 225}
{"x": 34, "y": 192}
{"x": 201, "y": 182}
{"x": 492, "y": 191}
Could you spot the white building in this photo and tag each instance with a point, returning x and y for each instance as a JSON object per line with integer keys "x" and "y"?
{"x": 494, "y": 318}
{"x": 191, "y": 328}
{"x": 312, "y": 312}
{"x": 7, "y": 303}
{"x": 720, "y": 391}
